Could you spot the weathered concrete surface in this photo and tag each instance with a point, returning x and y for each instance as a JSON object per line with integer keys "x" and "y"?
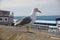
{"x": 17, "y": 33}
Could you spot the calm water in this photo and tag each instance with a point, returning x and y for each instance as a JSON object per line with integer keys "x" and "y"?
{"x": 49, "y": 18}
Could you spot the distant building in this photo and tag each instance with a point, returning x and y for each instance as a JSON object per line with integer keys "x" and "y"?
{"x": 6, "y": 18}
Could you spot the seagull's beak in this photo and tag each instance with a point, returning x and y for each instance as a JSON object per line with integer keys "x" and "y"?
{"x": 39, "y": 11}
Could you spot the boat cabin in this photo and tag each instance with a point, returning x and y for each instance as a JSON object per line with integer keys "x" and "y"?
{"x": 6, "y": 18}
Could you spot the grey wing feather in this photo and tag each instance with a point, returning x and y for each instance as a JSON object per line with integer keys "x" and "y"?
{"x": 26, "y": 20}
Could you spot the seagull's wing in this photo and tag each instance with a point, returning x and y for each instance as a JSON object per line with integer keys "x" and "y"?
{"x": 19, "y": 20}
{"x": 26, "y": 20}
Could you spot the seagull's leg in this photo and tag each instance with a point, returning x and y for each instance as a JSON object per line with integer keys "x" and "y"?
{"x": 27, "y": 28}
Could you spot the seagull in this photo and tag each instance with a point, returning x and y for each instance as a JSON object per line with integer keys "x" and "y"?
{"x": 29, "y": 19}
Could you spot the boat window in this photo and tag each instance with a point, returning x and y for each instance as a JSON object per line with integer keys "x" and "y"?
{"x": 0, "y": 18}
{"x": 5, "y": 19}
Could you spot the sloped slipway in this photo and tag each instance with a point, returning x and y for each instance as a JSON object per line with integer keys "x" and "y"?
{"x": 17, "y": 33}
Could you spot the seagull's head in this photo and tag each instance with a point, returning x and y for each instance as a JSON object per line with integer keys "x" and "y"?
{"x": 37, "y": 10}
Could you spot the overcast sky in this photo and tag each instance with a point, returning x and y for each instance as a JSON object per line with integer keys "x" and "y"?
{"x": 24, "y": 7}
